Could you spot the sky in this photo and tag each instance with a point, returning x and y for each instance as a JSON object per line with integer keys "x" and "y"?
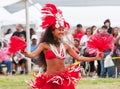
{"x": 92, "y": 15}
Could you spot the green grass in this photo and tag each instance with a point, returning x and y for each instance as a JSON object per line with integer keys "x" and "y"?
{"x": 14, "y": 82}
{"x": 99, "y": 83}
{"x": 18, "y": 82}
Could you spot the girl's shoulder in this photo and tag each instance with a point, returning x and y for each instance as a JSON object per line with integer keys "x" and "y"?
{"x": 45, "y": 45}
{"x": 67, "y": 46}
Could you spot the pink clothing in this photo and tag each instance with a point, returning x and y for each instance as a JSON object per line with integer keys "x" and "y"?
{"x": 4, "y": 54}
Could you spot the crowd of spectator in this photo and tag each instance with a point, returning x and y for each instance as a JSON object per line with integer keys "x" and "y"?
{"x": 77, "y": 39}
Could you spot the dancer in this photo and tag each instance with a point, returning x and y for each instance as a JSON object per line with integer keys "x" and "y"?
{"x": 52, "y": 51}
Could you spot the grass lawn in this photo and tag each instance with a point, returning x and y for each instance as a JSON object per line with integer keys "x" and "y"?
{"x": 99, "y": 83}
{"x": 17, "y": 82}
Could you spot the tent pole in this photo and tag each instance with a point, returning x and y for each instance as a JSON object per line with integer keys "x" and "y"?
{"x": 0, "y": 30}
{"x": 28, "y": 33}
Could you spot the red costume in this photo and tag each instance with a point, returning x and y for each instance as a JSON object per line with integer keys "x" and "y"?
{"x": 65, "y": 80}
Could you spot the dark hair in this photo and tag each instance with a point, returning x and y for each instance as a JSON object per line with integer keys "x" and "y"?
{"x": 48, "y": 38}
{"x": 75, "y": 39}
{"x": 32, "y": 31}
{"x": 107, "y": 21}
{"x": 104, "y": 27}
{"x": 79, "y": 25}
{"x": 93, "y": 27}
{"x": 8, "y": 31}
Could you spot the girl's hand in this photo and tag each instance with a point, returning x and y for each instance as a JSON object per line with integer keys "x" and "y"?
{"x": 99, "y": 55}
{"x": 111, "y": 53}
{"x": 25, "y": 53}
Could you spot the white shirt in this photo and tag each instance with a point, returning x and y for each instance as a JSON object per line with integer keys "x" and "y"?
{"x": 7, "y": 37}
{"x": 84, "y": 40}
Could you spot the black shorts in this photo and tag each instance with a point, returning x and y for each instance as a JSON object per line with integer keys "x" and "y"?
{"x": 20, "y": 62}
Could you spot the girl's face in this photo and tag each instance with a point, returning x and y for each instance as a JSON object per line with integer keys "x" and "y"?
{"x": 104, "y": 31}
{"x": 94, "y": 28}
{"x": 116, "y": 31}
{"x": 88, "y": 32}
{"x": 107, "y": 24}
{"x": 76, "y": 43}
{"x": 58, "y": 33}
{"x": 10, "y": 31}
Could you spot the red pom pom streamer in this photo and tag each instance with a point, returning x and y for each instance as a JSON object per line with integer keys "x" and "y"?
{"x": 100, "y": 42}
{"x": 16, "y": 44}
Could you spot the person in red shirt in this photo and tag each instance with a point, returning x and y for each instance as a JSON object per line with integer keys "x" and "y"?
{"x": 79, "y": 32}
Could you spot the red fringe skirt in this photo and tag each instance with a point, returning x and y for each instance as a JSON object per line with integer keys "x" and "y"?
{"x": 65, "y": 80}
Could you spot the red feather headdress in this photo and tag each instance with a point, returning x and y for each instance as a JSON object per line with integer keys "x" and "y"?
{"x": 53, "y": 17}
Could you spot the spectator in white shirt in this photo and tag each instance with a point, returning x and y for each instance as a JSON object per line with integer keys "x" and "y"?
{"x": 84, "y": 39}
{"x": 8, "y": 35}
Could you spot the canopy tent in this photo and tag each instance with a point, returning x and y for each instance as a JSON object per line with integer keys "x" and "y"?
{"x": 7, "y": 2}
{"x": 7, "y": 18}
{"x": 86, "y": 12}
{"x": 67, "y": 3}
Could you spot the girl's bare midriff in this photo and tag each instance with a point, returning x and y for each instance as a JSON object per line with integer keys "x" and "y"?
{"x": 55, "y": 66}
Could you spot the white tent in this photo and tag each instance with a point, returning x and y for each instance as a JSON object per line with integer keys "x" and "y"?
{"x": 7, "y": 18}
{"x": 86, "y": 12}
{"x": 7, "y": 2}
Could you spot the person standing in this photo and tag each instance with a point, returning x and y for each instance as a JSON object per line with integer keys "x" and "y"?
{"x": 108, "y": 51}
{"x": 8, "y": 35}
{"x": 108, "y": 24}
{"x": 19, "y": 31}
{"x": 78, "y": 33}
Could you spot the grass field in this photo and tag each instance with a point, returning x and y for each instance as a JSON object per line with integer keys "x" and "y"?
{"x": 18, "y": 82}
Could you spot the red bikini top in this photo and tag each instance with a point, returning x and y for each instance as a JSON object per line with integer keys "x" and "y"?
{"x": 50, "y": 54}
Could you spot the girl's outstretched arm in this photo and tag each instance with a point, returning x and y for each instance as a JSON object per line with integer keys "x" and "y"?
{"x": 81, "y": 58}
{"x": 36, "y": 52}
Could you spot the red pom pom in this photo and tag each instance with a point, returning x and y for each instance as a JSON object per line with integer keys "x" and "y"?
{"x": 100, "y": 42}
{"x": 16, "y": 44}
